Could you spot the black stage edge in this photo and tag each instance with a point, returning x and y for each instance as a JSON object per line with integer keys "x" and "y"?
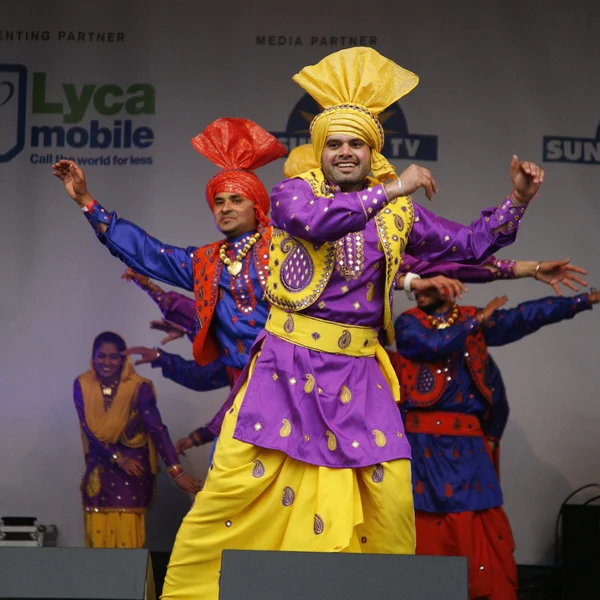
{"x": 536, "y": 583}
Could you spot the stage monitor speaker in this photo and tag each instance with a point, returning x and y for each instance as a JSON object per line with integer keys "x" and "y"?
{"x": 254, "y": 575}
{"x": 74, "y": 574}
{"x": 581, "y": 551}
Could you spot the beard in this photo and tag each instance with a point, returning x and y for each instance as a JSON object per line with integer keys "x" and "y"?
{"x": 432, "y": 307}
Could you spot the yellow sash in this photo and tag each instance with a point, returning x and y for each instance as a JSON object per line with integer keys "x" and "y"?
{"x": 321, "y": 335}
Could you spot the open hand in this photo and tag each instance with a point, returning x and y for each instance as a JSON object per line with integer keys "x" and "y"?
{"x": 526, "y": 178}
{"x": 148, "y": 355}
{"x": 73, "y": 179}
{"x": 554, "y": 272}
{"x": 416, "y": 177}
{"x": 173, "y": 330}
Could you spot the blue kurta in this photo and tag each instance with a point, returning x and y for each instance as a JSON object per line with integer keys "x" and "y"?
{"x": 240, "y": 313}
{"x": 463, "y": 461}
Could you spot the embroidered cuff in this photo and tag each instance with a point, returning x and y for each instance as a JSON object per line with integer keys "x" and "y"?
{"x": 508, "y": 215}
{"x": 96, "y": 214}
{"x": 503, "y": 269}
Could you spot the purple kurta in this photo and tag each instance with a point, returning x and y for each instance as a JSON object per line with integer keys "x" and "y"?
{"x": 107, "y": 488}
{"x": 368, "y": 428}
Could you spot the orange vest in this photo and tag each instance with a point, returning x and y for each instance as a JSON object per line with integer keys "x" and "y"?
{"x": 206, "y": 268}
{"x": 423, "y": 384}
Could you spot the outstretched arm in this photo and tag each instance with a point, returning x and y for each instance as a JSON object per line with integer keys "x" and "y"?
{"x": 513, "y": 324}
{"x": 179, "y": 311}
{"x": 125, "y": 240}
{"x": 434, "y": 238}
{"x": 187, "y": 373}
{"x": 416, "y": 342}
{"x": 441, "y": 275}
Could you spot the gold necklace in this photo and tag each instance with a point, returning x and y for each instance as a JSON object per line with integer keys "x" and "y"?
{"x": 234, "y": 267}
{"x": 439, "y": 324}
{"x": 108, "y": 391}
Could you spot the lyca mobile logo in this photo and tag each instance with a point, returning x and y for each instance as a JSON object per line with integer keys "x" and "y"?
{"x": 63, "y": 116}
{"x": 572, "y": 149}
{"x": 399, "y": 143}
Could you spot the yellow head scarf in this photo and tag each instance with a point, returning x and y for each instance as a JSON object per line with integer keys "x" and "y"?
{"x": 300, "y": 160}
{"x": 354, "y": 86}
{"x": 109, "y": 425}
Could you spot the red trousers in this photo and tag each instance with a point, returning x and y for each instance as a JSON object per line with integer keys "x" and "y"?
{"x": 484, "y": 537}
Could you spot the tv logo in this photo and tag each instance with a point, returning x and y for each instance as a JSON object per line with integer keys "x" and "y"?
{"x": 13, "y": 106}
{"x": 399, "y": 143}
{"x": 572, "y": 149}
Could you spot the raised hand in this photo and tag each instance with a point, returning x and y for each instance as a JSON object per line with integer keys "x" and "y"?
{"x": 73, "y": 179}
{"x": 414, "y": 178}
{"x": 526, "y": 178}
{"x": 187, "y": 483}
{"x": 448, "y": 288}
{"x": 554, "y": 272}
{"x": 493, "y": 306}
{"x": 147, "y": 355}
{"x": 173, "y": 330}
{"x": 182, "y": 445}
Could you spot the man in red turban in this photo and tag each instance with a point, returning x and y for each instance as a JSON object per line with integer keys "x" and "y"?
{"x": 227, "y": 277}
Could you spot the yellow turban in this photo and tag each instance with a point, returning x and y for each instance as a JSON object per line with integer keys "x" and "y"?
{"x": 354, "y": 86}
{"x": 300, "y": 160}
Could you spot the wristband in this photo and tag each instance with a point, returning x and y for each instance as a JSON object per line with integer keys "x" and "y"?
{"x": 407, "y": 279}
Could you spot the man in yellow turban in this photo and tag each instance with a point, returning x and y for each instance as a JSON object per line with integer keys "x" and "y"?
{"x": 312, "y": 453}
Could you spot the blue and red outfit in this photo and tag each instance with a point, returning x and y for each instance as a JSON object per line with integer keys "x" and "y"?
{"x": 233, "y": 308}
{"x": 453, "y": 403}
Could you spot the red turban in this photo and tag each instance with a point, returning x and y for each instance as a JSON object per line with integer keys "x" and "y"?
{"x": 239, "y": 146}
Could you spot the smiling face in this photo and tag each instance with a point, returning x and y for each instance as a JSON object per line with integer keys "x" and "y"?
{"x": 346, "y": 161}
{"x": 234, "y": 214}
{"x": 108, "y": 362}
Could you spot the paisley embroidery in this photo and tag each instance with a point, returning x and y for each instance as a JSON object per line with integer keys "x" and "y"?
{"x": 297, "y": 269}
{"x": 288, "y": 326}
{"x": 309, "y": 386}
{"x": 288, "y": 496}
{"x": 345, "y": 339}
{"x": 370, "y": 292}
{"x": 378, "y": 474}
{"x": 345, "y": 395}
{"x": 286, "y": 429}
{"x": 92, "y": 487}
{"x": 258, "y": 470}
{"x": 319, "y": 525}
{"x": 379, "y": 438}
{"x": 331, "y": 441}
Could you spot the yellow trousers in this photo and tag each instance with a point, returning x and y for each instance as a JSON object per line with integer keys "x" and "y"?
{"x": 259, "y": 499}
{"x": 114, "y": 530}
